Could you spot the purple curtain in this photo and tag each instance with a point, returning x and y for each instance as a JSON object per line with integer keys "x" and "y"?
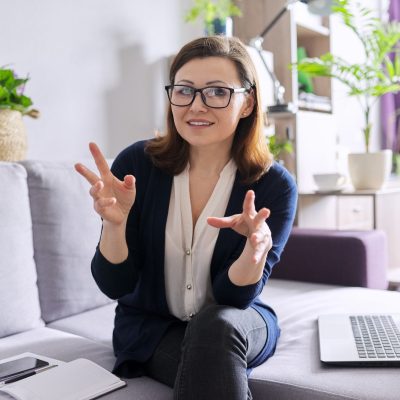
{"x": 391, "y": 102}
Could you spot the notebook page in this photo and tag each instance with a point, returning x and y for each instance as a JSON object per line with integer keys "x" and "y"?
{"x": 80, "y": 379}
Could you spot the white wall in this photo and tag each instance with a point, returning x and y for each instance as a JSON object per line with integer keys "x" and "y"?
{"x": 349, "y": 118}
{"x": 97, "y": 69}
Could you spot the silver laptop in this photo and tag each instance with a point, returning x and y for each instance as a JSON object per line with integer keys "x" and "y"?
{"x": 360, "y": 340}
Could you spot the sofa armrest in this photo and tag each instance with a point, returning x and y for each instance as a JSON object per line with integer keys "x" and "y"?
{"x": 348, "y": 258}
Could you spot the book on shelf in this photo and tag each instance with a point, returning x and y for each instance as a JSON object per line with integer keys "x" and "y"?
{"x": 80, "y": 379}
{"x": 313, "y": 102}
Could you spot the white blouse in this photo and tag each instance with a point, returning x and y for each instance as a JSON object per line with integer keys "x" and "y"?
{"x": 188, "y": 253}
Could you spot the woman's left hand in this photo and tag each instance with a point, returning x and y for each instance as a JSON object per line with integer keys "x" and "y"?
{"x": 251, "y": 224}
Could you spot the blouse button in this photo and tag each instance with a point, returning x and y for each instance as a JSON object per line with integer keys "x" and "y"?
{"x": 188, "y": 252}
{"x": 189, "y": 286}
{"x": 191, "y": 315}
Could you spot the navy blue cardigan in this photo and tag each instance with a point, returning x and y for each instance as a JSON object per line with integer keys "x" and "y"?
{"x": 142, "y": 314}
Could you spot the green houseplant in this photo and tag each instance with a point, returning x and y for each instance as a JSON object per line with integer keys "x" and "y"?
{"x": 279, "y": 146}
{"x": 213, "y": 12}
{"x": 13, "y": 105}
{"x": 12, "y": 95}
{"x": 367, "y": 81}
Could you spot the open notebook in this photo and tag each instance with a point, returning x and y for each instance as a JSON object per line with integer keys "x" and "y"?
{"x": 80, "y": 379}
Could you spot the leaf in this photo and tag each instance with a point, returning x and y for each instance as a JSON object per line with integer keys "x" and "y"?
{"x": 25, "y": 101}
{"x": 11, "y": 88}
{"x": 192, "y": 15}
{"x": 389, "y": 67}
{"x": 18, "y": 107}
{"x": 380, "y": 90}
{"x": 234, "y": 10}
{"x": 5, "y": 74}
{"x": 3, "y": 93}
{"x": 278, "y": 146}
{"x": 397, "y": 65}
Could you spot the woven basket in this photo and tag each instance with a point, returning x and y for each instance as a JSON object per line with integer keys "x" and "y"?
{"x": 13, "y": 139}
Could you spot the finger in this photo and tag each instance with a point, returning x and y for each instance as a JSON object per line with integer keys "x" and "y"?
{"x": 261, "y": 216}
{"x": 259, "y": 237}
{"x": 96, "y": 188}
{"x": 260, "y": 252}
{"x": 99, "y": 159}
{"x": 248, "y": 203}
{"x": 256, "y": 239}
{"x": 224, "y": 222}
{"x": 129, "y": 181}
{"x": 257, "y": 258}
{"x": 101, "y": 204}
{"x": 90, "y": 176}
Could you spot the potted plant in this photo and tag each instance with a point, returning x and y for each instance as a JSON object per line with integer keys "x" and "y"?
{"x": 13, "y": 105}
{"x": 278, "y": 147}
{"x": 215, "y": 14}
{"x": 368, "y": 81}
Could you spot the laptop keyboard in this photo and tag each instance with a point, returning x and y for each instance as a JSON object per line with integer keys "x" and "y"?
{"x": 376, "y": 336}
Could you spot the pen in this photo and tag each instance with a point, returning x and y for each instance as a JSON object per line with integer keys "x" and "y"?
{"x": 23, "y": 376}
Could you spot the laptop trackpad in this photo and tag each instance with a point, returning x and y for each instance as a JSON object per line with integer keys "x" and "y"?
{"x": 336, "y": 339}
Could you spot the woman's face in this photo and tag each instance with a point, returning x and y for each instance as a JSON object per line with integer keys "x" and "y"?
{"x": 199, "y": 124}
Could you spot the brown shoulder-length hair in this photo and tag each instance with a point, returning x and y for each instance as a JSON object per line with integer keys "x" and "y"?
{"x": 249, "y": 149}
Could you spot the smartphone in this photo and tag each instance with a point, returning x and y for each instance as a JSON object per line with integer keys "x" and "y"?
{"x": 19, "y": 366}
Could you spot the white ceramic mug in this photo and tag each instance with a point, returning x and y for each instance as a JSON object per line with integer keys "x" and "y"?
{"x": 330, "y": 181}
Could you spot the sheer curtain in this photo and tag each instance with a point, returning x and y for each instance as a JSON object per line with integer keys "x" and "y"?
{"x": 390, "y": 104}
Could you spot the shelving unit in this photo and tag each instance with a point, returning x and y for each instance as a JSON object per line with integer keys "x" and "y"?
{"x": 314, "y": 133}
{"x": 311, "y": 129}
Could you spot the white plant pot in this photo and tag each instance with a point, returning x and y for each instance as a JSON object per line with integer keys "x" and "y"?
{"x": 370, "y": 170}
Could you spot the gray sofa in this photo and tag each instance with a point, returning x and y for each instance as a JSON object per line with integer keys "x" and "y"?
{"x": 51, "y": 306}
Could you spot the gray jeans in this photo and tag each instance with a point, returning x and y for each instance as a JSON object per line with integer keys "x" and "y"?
{"x": 207, "y": 358}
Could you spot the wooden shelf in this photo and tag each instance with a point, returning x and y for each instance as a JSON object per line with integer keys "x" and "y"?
{"x": 312, "y": 109}
{"x": 311, "y": 23}
{"x": 305, "y": 30}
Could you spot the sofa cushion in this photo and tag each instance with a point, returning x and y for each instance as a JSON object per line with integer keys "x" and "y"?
{"x": 67, "y": 347}
{"x": 65, "y": 234}
{"x": 295, "y": 371}
{"x": 96, "y": 324}
{"x": 20, "y": 309}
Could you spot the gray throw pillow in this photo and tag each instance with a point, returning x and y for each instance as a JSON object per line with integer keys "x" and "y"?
{"x": 66, "y": 231}
{"x": 20, "y": 309}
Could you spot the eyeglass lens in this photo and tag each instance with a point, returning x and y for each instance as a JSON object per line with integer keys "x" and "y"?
{"x": 217, "y": 97}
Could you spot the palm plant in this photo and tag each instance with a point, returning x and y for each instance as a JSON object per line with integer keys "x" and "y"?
{"x": 378, "y": 74}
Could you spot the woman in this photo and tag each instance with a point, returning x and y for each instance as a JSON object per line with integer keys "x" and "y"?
{"x": 188, "y": 311}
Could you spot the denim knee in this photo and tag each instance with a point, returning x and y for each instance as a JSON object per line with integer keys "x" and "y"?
{"x": 215, "y": 327}
{"x": 213, "y": 363}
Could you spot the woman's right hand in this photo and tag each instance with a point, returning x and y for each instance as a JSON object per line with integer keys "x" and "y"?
{"x": 112, "y": 197}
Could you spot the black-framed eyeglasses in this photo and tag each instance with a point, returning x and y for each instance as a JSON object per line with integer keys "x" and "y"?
{"x": 212, "y": 96}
